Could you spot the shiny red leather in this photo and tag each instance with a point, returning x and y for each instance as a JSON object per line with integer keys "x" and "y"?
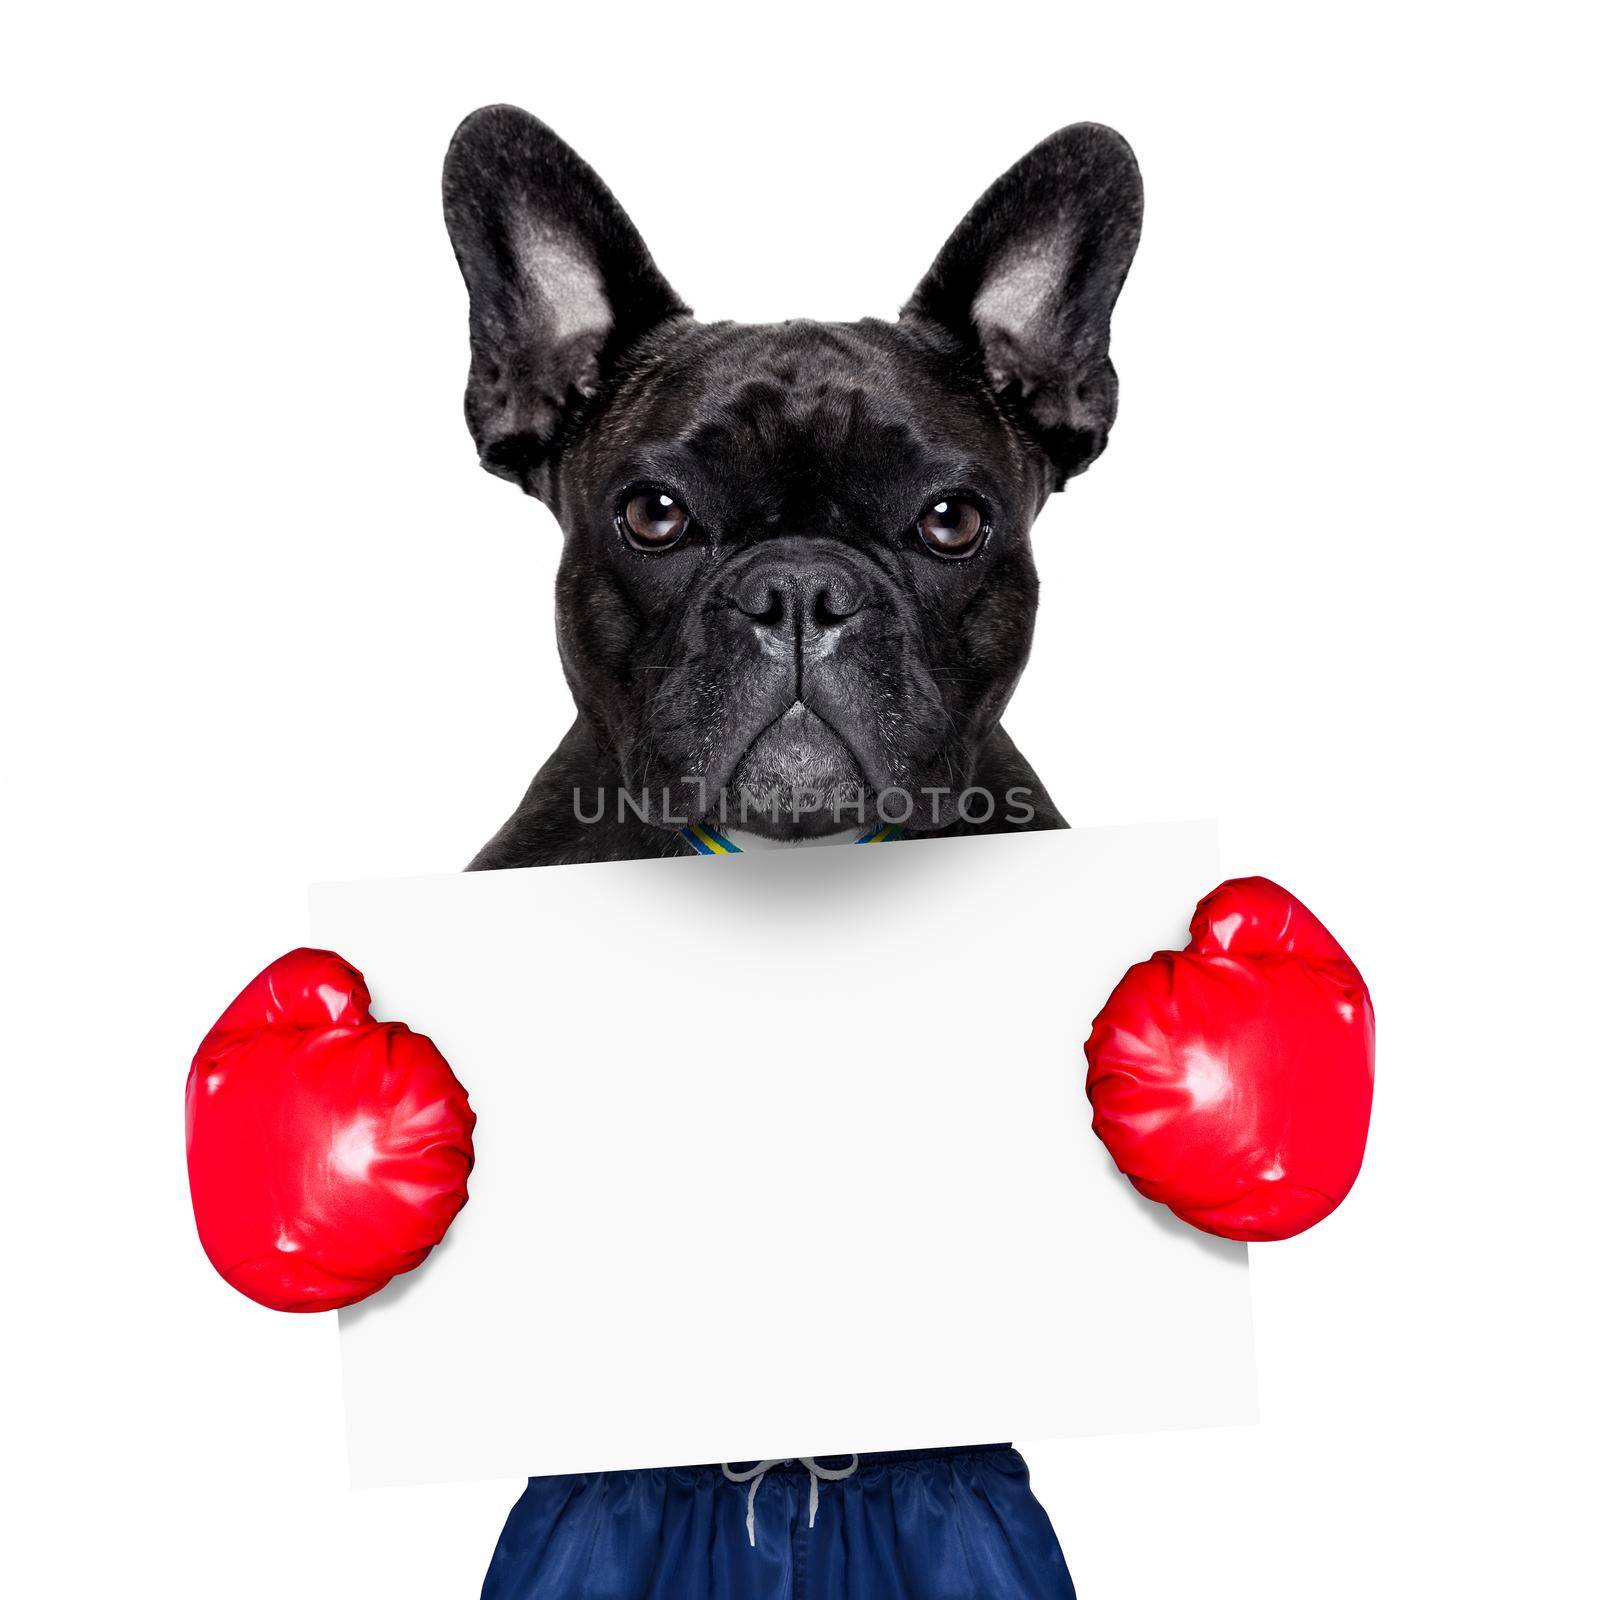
{"x": 1232, "y": 1080}
{"x": 327, "y": 1152}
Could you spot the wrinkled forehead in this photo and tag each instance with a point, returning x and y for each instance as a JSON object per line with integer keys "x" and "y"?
{"x": 805, "y": 418}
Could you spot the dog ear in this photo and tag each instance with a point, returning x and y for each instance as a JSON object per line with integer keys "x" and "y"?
{"x": 559, "y": 280}
{"x": 1028, "y": 281}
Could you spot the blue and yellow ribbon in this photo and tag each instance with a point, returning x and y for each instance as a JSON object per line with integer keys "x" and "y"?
{"x": 705, "y": 841}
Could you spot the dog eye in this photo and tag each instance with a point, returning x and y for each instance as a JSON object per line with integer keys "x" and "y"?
{"x": 952, "y": 528}
{"x": 653, "y": 519}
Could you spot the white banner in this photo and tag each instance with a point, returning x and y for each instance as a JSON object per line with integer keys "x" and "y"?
{"x": 784, "y": 1154}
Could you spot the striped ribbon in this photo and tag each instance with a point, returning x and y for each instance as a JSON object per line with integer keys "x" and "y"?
{"x": 706, "y": 841}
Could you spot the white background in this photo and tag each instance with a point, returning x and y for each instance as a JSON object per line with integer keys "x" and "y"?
{"x": 1333, "y": 583}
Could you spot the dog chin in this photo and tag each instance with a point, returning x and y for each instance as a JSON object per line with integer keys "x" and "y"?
{"x": 798, "y": 780}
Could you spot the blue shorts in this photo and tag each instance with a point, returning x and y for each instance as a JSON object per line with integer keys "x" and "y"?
{"x": 909, "y": 1525}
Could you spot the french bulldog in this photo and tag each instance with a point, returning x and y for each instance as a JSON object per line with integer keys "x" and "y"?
{"x": 796, "y": 590}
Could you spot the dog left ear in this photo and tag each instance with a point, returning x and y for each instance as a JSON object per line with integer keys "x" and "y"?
{"x": 560, "y": 283}
{"x": 1028, "y": 281}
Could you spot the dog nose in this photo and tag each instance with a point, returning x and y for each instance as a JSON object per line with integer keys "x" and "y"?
{"x": 799, "y": 596}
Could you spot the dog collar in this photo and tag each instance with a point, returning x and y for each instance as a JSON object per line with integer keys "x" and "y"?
{"x": 706, "y": 841}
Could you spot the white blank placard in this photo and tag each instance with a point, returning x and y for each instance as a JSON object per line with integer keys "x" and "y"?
{"x": 784, "y": 1154}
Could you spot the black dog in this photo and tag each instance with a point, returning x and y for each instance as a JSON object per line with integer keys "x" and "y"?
{"x": 797, "y": 590}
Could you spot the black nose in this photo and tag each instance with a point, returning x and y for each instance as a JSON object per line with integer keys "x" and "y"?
{"x": 798, "y": 594}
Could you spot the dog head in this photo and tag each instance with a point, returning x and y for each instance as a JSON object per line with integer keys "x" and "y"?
{"x": 796, "y": 567}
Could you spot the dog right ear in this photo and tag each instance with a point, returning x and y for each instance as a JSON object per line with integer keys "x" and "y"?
{"x": 1028, "y": 280}
{"x": 559, "y": 280}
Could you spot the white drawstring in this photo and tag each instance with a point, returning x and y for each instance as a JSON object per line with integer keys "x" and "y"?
{"x": 755, "y": 1475}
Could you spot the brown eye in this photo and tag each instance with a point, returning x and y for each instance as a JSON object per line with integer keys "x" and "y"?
{"x": 653, "y": 519}
{"x": 951, "y": 528}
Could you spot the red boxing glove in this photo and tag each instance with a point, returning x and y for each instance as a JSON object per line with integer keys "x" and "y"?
{"x": 1232, "y": 1081}
{"x": 327, "y": 1152}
